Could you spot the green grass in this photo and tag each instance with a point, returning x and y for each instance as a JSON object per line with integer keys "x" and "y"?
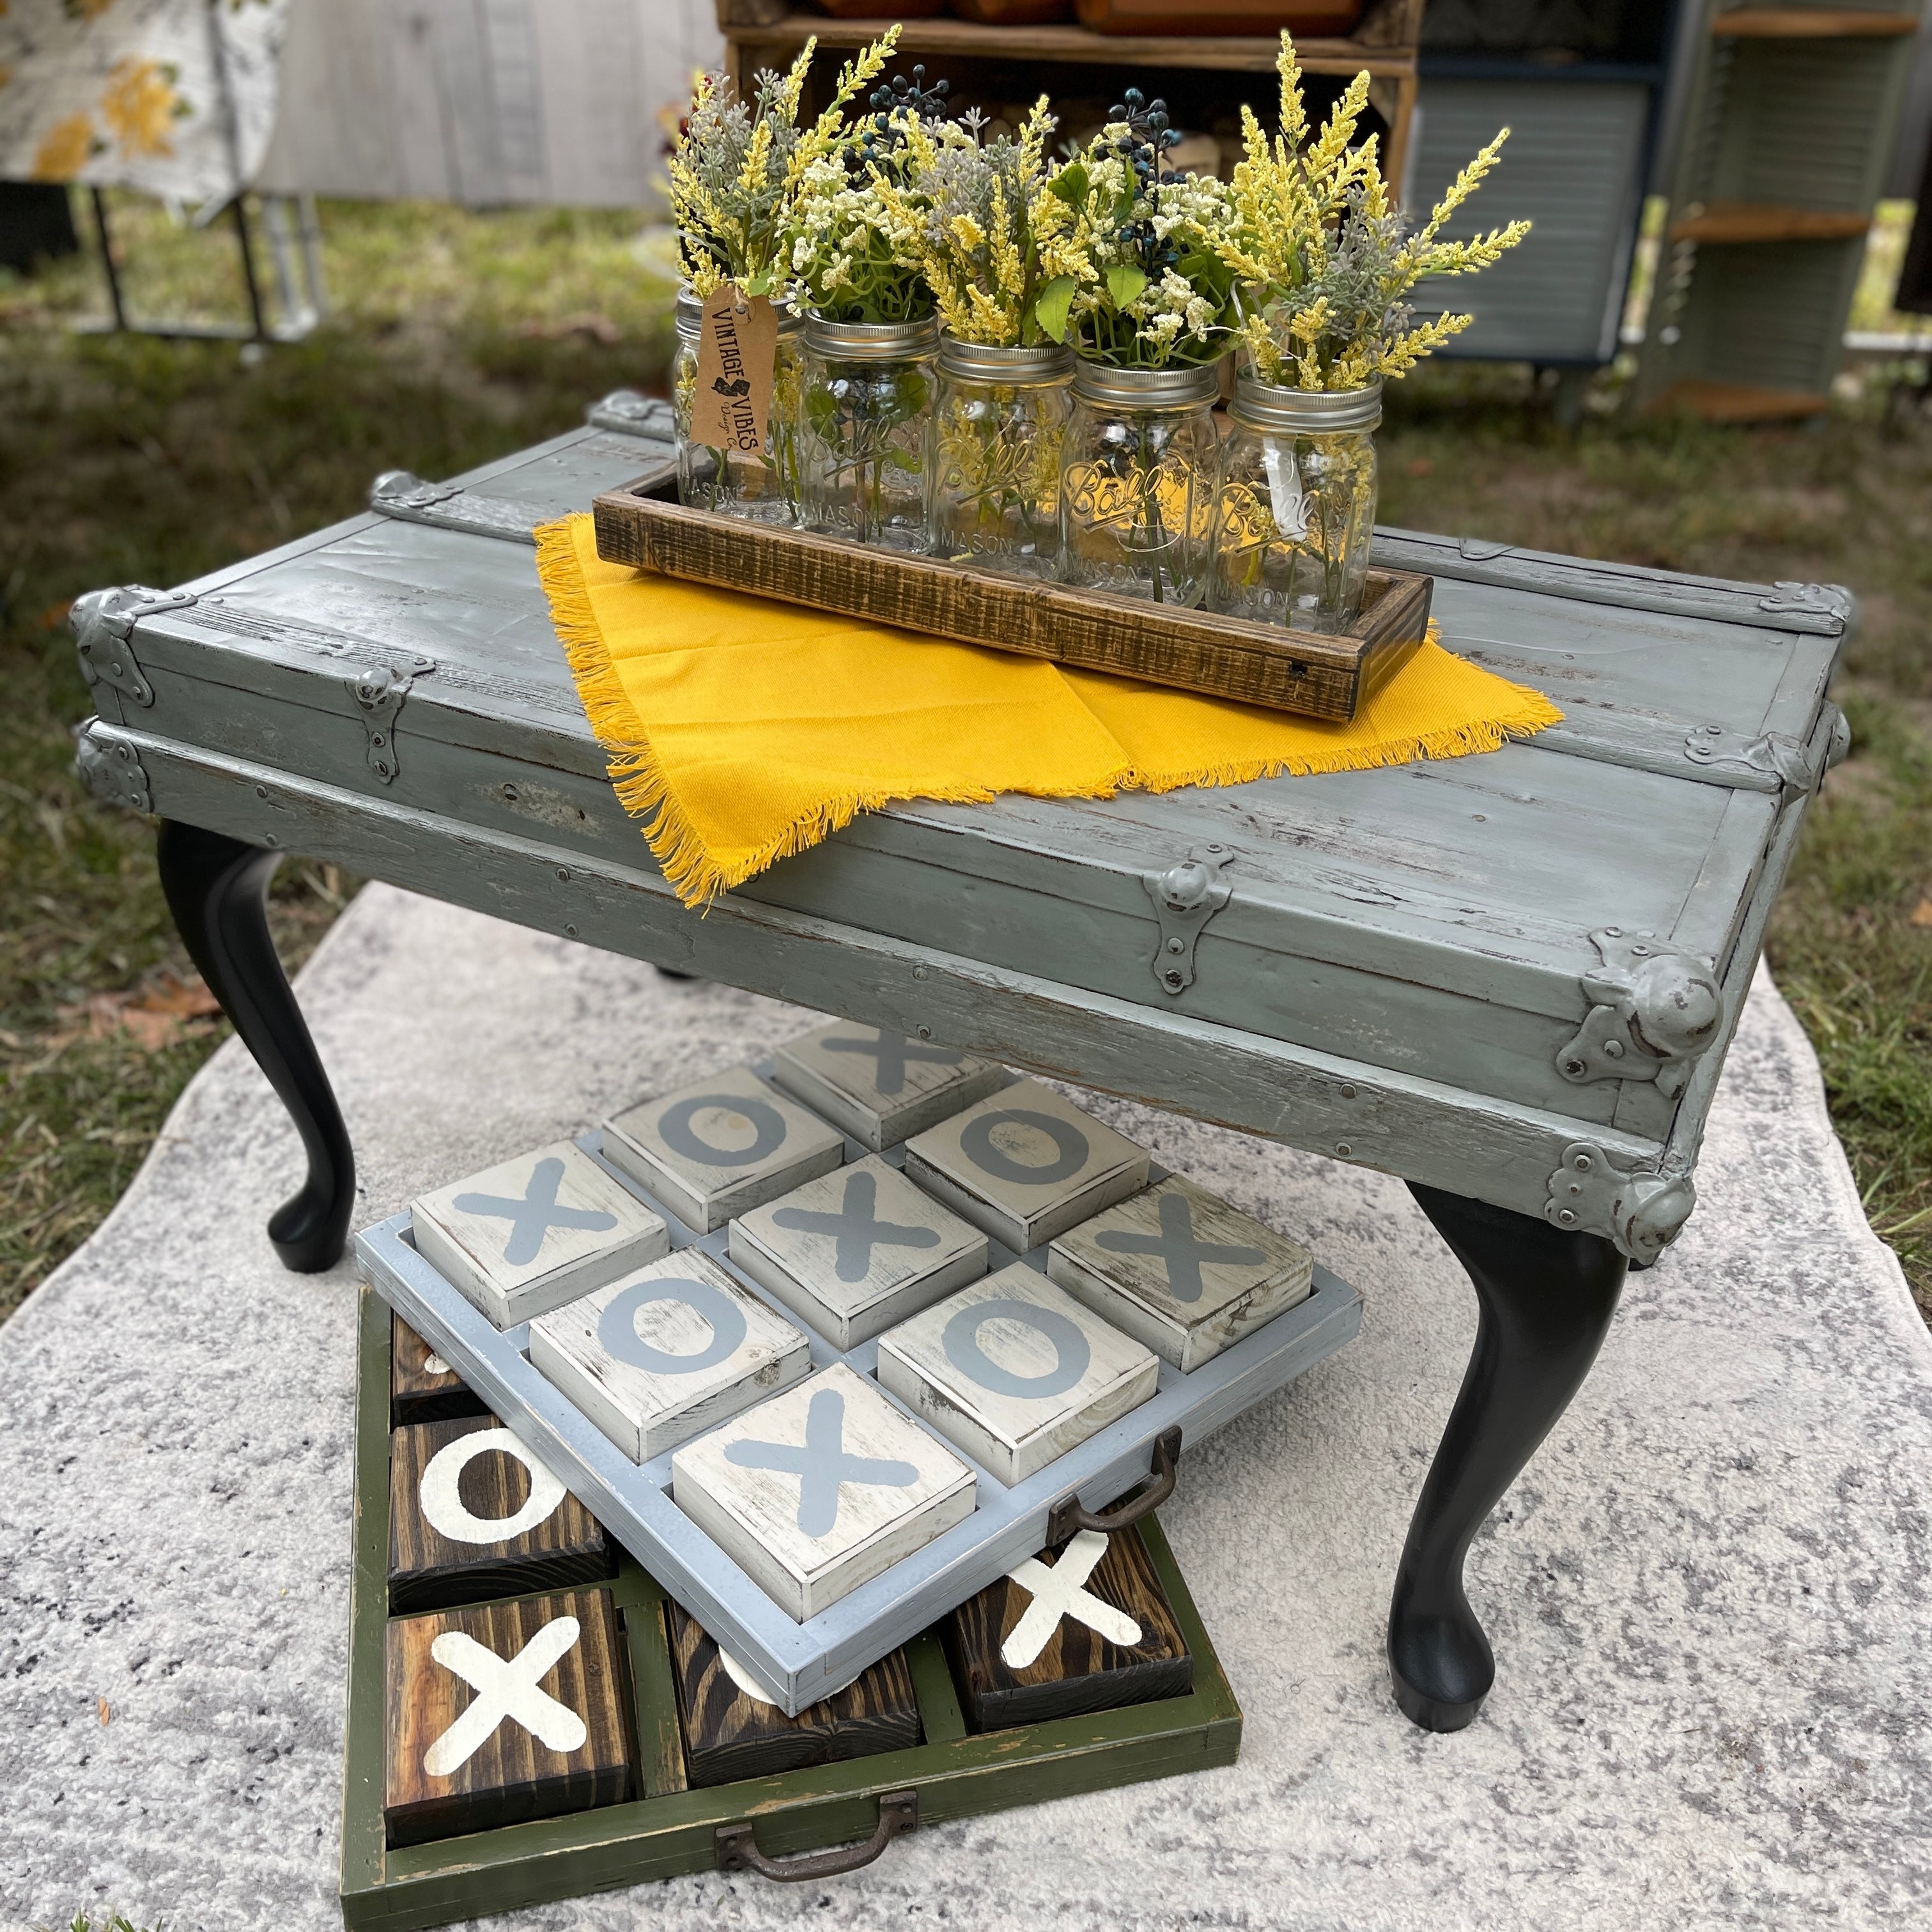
{"x": 462, "y": 337}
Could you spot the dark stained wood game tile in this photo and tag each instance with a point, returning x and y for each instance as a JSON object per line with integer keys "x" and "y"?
{"x": 501, "y": 1713}
{"x": 473, "y": 1514}
{"x": 731, "y": 1732}
{"x": 1081, "y": 1629}
{"x": 422, "y": 1387}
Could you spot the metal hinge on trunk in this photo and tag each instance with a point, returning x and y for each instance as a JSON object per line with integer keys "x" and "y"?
{"x": 1797, "y": 764}
{"x": 103, "y": 624}
{"x": 628, "y": 413}
{"x": 1186, "y": 897}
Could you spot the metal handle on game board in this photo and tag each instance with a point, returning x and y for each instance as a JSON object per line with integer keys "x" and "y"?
{"x": 738, "y": 1846}
{"x": 1067, "y": 1515}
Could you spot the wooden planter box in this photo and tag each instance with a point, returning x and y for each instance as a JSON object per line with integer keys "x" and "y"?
{"x": 665, "y": 1828}
{"x": 1190, "y": 650}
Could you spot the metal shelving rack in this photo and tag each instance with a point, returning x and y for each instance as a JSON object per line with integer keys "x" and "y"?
{"x": 1786, "y": 141}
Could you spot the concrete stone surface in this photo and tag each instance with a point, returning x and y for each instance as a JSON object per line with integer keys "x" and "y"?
{"x": 1709, "y": 1593}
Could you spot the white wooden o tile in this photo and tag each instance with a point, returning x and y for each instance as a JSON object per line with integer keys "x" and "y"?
{"x": 720, "y": 1145}
{"x": 662, "y": 1355}
{"x": 1015, "y": 1372}
{"x": 1025, "y": 1164}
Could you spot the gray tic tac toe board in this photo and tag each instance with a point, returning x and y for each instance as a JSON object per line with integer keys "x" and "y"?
{"x": 1511, "y": 980}
{"x": 714, "y": 1452}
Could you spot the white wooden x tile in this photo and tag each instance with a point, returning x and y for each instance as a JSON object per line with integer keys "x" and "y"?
{"x": 504, "y": 1688}
{"x": 1057, "y": 1593}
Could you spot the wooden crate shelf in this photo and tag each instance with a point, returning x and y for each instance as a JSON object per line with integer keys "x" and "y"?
{"x": 1810, "y": 23}
{"x": 1740, "y": 221}
{"x": 1076, "y": 45}
{"x": 758, "y": 34}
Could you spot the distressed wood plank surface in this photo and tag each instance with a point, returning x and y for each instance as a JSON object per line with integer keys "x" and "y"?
{"x": 1226, "y": 657}
{"x": 1084, "y": 1627}
{"x": 474, "y": 1513}
{"x": 732, "y": 1731}
{"x": 500, "y": 1713}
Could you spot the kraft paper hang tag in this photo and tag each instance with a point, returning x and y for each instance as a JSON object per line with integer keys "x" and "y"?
{"x": 731, "y": 396}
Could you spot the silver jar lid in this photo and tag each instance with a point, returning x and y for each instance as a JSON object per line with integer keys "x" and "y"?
{"x": 1269, "y": 408}
{"x": 982, "y": 362}
{"x": 690, "y": 315}
{"x": 871, "y": 341}
{"x": 1147, "y": 389}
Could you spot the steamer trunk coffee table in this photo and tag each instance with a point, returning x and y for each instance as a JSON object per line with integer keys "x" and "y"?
{"x": 1510, "y": 979}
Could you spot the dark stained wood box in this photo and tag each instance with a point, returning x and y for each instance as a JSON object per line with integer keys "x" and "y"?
{"x": 640, "y": 1811}
{"x": 1086, "y": 630}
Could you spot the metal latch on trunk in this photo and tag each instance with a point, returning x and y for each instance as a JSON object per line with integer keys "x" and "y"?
{"x": 1186, "y": 897}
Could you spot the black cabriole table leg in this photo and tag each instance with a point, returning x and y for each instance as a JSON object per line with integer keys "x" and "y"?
{"x": 1546, "y": 1298}
{"x": 217, "y": 888}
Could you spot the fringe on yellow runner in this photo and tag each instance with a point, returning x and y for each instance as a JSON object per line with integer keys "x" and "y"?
{"x": 742, "y": 730}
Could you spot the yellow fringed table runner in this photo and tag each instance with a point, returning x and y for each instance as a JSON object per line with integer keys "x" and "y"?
{"x": 743, "y": 730}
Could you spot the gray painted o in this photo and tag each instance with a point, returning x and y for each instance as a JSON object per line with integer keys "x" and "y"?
{"x": 1071, "y": 1351}
{"x": 617, "y": 1327}
{"x": 976, "y": 1144}
{"x": 681, "y": 1137}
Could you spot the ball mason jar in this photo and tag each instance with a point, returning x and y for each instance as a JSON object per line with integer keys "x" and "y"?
{"x": 865, "y": 393}
{"x": 992, "y": 455}
{"x": 760, "y": 486}
{"x": 1298, "y": 505}
{"x": 1140, "y": 472}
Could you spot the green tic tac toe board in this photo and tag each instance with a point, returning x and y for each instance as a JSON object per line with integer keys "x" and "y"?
{"x": 577, "y": 1731}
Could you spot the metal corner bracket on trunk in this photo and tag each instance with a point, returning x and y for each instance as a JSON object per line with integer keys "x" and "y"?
{"x": 108, "y": 768}
{"x": 1640, "y": 1210}
{"x": 1654, "y": 1009}
{"x": 103, "y": 624}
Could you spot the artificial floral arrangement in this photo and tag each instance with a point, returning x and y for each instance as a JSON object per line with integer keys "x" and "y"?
{"x": 1135, "y": 279}
{"x": 845, "y": 253}
{"x": 1323, "y": 261}
{"x": 739, "y": 172}
{"x": 965, "y": 213}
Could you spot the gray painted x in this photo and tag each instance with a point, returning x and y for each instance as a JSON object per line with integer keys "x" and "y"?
{"x": 890, "y": 1054}
{"x": 821, "y": 1464}
{"x": 1181, "y": 1255}
{"x": 533, "y": 1216}
{"x": 854, "y": 1229}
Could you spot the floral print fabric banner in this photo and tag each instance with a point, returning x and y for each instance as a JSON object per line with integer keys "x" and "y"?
{"x": 174, "y": 97}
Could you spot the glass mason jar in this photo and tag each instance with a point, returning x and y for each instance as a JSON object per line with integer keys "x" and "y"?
{"x": 760, "y": 486}
{"x": 992, "y": 455}
{"x": 1140, "y": 470}
{"x": 865, "y": 393}
{"x": 1298, "y": 505}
